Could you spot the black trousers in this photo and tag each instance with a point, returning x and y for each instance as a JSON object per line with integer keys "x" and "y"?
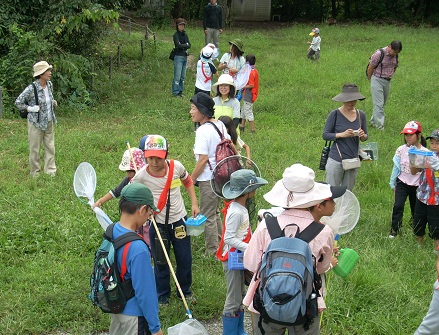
{"x": 402, "y": 192}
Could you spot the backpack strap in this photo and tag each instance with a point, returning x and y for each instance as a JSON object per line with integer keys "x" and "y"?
{"x": 36, "y": 100}
{"x": 273, "y": 226}
{"x": 310, "y": 232}
{"x": 216, "y": 128}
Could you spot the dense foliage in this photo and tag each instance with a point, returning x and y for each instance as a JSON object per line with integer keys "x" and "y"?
{"x": 65, "y": 33}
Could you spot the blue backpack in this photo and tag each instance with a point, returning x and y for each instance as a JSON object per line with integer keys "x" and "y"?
{"x": 108, "y": 288}
{"x": 289, "y": 287}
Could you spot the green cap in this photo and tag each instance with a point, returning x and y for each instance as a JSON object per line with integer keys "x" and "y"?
{"x": 139, "y": 194}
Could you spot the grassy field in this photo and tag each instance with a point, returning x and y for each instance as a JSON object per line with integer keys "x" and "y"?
{"x": 48, "y": 237}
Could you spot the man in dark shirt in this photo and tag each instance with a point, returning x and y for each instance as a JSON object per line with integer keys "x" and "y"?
{"x": 213, "y": 22}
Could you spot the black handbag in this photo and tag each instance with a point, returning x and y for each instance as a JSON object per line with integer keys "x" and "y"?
{"x": 325, "y": 155}
{"x": 172, "y": 54}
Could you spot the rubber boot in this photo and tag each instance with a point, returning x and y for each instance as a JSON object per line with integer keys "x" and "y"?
{"x": 241, "y": 330}
{"x": 230, "y": 325}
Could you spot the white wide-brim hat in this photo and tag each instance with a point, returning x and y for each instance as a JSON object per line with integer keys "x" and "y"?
{"x": 224, "y": 79}
{"x": 298, "y": 189}
{"x": 41, "y": 67}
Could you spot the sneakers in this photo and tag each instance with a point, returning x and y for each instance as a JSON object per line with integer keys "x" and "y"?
{"x": 190, "y": 299}
{"x": 392, "y": 236}
{"x": 163, "y": 301}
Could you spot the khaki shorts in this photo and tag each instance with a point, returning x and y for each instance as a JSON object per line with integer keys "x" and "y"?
{"x": 247, "y": 111}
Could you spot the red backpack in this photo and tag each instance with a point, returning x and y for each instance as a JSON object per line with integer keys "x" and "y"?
{"x": 224, "y": 149}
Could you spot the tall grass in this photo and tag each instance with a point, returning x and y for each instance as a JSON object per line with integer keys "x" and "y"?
{"x": 48, "y": 237}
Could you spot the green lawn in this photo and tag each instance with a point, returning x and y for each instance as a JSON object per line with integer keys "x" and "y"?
{"x": 48, "y": 237}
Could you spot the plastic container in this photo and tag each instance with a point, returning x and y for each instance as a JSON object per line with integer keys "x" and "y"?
{"x": 419, "y": 158}
{"x": 369, "y": 151}
{"x": 346, "y": 262}
{"x": 195, "y": 226}
{"x": 235, "y": 260}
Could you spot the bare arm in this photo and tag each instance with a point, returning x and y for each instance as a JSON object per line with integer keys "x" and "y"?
{"x": 199, "y": 167}
{"x": 102, "y": 200}
{"x": 370, "y": 71}
{"x": 194, "y": 202}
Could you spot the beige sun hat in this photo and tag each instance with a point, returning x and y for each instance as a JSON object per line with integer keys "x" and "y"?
{"x": 298, "y": 189}
{"x": 41, "y": 67}
{"x": 224, "y": 79}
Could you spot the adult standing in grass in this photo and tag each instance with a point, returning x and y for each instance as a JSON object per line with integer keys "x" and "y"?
{"x": 40, "y": 119}
{"x": 346, "y": 126}
{"x": 212, "y": 22}
{"x": 233, "y": 61}
{"x": 430, "y": 323}
{"x": 181, "y": 44}
{"x": 382, "y": 67}
{"x": 402, "y": 182}
{"x": 140, "y": 315}
{"x": 206, "y": 140}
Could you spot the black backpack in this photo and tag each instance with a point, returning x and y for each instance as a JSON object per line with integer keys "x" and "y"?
{"x": 108, "y": 288}
{"x": 24, "y": 112}
{"x": 289, "y": 287}
{"x": 380, "y": 62}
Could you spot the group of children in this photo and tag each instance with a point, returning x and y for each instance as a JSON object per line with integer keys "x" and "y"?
{"x": 419, "y": 185}
{"x": 230, "y": 64}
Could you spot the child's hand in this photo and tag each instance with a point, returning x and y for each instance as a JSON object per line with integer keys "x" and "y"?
{"x": 308, "y": 42}
{"x": 334, "y": 261}
{"x": 195, "y": 210}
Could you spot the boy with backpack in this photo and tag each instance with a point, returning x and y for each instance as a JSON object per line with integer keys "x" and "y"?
{"x": 237, "y": 233}
{"x": 140, "y": 315}
{"x": 305, "y": 202}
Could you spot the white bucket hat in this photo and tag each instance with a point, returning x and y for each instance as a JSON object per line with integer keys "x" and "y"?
{"x": 298, "y": 189}
{"x": 41, "y": 67}
{"x": 224, "y": 79}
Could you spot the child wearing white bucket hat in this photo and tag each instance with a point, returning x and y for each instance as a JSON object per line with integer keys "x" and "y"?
{"x": 236, "y": 234}
{"x": 304, "y": 201}
{"x": 205, "y": 71}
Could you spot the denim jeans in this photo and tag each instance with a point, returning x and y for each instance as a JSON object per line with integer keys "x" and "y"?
{"x": 180, "y": 63}
{"x": 183, "y": 258}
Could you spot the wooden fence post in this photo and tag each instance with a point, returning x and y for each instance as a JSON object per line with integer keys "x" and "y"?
{"x": 110, "y": 67}
{"x": 118, "y": 56}
{"x": 1, "y": 101}
{"x": 92, "y": 76}
{"x": 155, "y": 41}
{"x": 142, "y": 47}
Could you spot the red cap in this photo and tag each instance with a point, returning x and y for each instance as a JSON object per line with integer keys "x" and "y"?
{"x": 412, "y": 127}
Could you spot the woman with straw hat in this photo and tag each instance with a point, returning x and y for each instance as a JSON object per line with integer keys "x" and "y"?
{"x": 40, "y": 119}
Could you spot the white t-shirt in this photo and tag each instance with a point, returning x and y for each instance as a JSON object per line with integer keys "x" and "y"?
{"x": 48, "y": 103}
{"x": 204, "y": 76}
{"x": 236, "y": 62}
{"x": 206, "y": 140}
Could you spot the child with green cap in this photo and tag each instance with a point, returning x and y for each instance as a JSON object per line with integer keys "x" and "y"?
{"x": 236, "y": 235}
{"x": 140, "y": 315}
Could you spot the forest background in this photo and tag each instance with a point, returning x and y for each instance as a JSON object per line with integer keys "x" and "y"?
{"x": 48, "y": 237}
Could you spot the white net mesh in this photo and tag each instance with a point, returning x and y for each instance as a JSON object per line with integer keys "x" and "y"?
{"x": 223, "y": 170}
{"x": 84, "y": 182}
{"x": 346, "y": 215}
{"x": 188, "y": 327}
